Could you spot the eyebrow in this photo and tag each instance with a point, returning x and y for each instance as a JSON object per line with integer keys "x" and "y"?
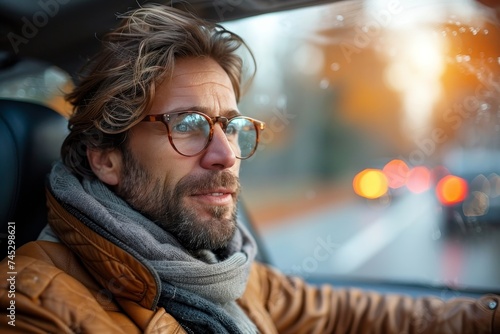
{"x": 226, "y": 113}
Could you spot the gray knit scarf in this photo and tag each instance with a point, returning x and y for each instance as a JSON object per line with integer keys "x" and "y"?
{"x": 218, "y": 283}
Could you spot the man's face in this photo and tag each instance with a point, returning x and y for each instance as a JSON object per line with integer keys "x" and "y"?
{"x": 194, "y": 198}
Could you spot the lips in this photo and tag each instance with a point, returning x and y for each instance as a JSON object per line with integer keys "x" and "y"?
{"x": 221, "y": 189}
{"x": 210, "y": 189}
{"x": 214, "y": 198}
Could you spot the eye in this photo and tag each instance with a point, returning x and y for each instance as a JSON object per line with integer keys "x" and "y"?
{"x": 189, "y": 125}
{"x": 182, "y": 127}
{"x": 232, "y": 128}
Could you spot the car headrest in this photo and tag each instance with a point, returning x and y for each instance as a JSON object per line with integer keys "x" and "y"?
{"x": 31, "y": 136}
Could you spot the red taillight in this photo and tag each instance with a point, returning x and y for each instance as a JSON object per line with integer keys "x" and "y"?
{"x": 451, "y": 190}
{"x": 419, "y": 179}
{"x": 396, "y": 172}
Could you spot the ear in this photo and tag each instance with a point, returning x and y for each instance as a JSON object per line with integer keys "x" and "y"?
{"x": 106, "y": 165}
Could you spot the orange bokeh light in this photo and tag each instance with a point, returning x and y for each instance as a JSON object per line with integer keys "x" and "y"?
{"x": 370, "y": 183}
{"x": 451, "y": 190}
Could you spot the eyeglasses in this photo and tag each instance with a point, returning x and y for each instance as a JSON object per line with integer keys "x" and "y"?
{"x": 190, "y": 132}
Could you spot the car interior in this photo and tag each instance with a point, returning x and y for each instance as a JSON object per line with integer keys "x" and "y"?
{"x": 31, "y": 135}
{"x": 64, "y": 34}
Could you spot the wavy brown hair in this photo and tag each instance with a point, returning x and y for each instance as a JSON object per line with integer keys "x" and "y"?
{"x": 120, "y": 83}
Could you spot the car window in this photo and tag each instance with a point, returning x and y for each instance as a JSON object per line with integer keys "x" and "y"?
{"x": 36, "y": 81}
{"x": 380, "y": 159}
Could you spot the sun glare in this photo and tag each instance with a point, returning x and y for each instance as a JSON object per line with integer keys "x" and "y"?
{"x": 415, "y": 70}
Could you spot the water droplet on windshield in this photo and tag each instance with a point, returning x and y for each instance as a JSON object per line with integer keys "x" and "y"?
{"x": 462, "y": 58}
{"x": 436, "y": 235}
{"x": 263, "y": 99}
{"x": 324, "y": 84}
{"x": 485, "y": 106}
{"x": 473, "y": 30}
{"x": 281, "y": 102}
{"x": 335, "y": 66}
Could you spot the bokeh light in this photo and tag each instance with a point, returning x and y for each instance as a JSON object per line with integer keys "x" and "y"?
{"x": 451, "y": 190}
{"x": 396, "y": 172}
{"x": 419, "y": 179}
{"x": 370, "y": 183}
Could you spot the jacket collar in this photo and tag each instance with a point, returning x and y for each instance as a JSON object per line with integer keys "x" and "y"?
{"x": 118, "y": 271}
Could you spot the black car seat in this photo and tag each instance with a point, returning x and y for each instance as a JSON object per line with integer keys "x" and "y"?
{"x": 30, "y": 140}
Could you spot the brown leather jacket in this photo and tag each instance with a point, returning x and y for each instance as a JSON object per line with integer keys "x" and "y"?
{"x": 89, "y": 285}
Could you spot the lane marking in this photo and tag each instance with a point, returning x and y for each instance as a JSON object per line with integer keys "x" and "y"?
{"x": 361, "y": 247}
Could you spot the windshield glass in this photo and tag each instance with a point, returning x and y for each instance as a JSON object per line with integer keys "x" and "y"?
{"x": 381, "y": 156}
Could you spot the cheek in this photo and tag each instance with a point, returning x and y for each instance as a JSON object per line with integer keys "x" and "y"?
{"x": 236, "y": 168}
{"x": 165, "y": 166}
{"x": 150, "y": 147}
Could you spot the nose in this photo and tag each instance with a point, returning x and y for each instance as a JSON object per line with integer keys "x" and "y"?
{"x": 218, "y": 155}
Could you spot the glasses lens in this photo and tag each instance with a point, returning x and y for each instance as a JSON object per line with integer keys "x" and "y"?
{"x": 189, "y": 132}
{"x": 242, "y": 135}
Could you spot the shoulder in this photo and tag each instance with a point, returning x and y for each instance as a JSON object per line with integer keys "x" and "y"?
{"x": 263, "y": 274}
{"x": 45, "y": 260}
{"x": 265, "y": 280}
{"x": 40, "y": 282}
{"x": 39, "y": 262}
{"x": 50, "y": 288}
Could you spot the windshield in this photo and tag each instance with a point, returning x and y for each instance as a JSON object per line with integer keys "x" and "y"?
{"x": 380, "y": 159}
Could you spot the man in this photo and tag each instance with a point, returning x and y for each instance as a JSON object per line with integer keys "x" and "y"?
{"x": 142, "y": 233}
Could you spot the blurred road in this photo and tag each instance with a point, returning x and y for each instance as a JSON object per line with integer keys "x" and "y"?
{"x": 401, "y": 243}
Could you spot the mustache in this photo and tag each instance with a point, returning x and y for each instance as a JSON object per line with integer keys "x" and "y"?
{"x": 208, "y": 181}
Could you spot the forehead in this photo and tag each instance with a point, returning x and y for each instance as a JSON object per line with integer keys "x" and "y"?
{"x": 195, "y": 71}
{"x": 195, "y": 82}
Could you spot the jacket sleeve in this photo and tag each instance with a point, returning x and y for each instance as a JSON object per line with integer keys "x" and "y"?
{"x": 296, "y": 307}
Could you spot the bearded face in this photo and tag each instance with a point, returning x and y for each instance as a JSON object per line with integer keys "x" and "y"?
{"x": 201, "y": 226}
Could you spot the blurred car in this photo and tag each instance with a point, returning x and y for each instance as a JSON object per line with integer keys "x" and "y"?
{"x": 470, "y": 192}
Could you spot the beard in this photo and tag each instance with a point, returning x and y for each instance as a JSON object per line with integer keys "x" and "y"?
{"x": 165, "y": 205}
